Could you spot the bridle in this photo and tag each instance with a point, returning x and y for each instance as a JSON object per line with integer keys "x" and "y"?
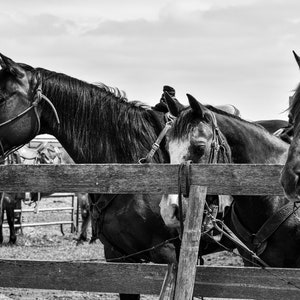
{"x": 219, "y": 153}
{"x": 37, "y": 99}
{"x": 219, "y": 149}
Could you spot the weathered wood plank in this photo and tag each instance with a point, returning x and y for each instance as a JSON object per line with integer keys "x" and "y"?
{"x": 190, "y": 244}
{"x": 155, "y": 178}
{"x": 168, "y": 287}
{"x": 223, "y": 282}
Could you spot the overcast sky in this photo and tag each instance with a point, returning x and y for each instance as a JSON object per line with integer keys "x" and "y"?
{"x": 220, "y": 51}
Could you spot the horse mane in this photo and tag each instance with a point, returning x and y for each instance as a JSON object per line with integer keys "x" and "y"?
{"x": 126, "y": 129}
{"x": 187, "y": 118}
{"x": 114, "y": 90}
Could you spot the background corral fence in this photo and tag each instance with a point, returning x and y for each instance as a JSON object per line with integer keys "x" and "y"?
{"x": 222, "y": 282}
{"x": 73, "y": 222}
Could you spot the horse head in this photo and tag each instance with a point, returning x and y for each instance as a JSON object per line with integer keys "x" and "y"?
{"x": 18, "y": 95}
{"x": 20, "y": 99}
{"x": 291, "y": 171}
{"x": 194, "y": 137}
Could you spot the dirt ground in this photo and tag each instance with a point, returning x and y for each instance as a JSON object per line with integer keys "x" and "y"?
{"x": 48, "y": 243}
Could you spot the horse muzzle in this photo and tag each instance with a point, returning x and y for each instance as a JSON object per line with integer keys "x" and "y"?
{"x": 169, "y": 211}
{"x": 290, "y": 182}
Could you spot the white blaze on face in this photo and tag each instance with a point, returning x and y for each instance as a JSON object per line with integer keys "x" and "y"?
{"x": 178, "y": 150}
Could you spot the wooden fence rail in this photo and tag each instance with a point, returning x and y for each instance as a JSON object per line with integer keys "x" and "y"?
{"x": 154, "y": 178}
{"x": 254, "y": 283}
{"x": 223, "y": 282}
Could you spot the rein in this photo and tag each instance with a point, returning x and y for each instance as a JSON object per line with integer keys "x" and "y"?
{"x": 37, "y": 99}
{"x": 258, "y": 241}
{"x": 155, "y": 146}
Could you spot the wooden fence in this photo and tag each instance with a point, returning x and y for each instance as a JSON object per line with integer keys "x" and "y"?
{"x": 223, "y": 282}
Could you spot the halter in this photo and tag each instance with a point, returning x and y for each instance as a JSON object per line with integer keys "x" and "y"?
{"x": 38, "y": 97}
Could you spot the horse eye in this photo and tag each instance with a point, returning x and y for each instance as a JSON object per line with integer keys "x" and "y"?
{"x": 198, "y": 150}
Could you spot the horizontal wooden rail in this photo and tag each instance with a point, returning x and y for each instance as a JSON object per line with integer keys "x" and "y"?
{"x": 40, "y": 224}
{"x": 154, "y": 178}
{"x": 244, "y": 283}
{"x": 25, "y": 210}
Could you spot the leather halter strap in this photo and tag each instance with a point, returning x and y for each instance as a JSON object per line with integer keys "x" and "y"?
{"x": 37, "y": 99}
{"x": 258, "y": 241}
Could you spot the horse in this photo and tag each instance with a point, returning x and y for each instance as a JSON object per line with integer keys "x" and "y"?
{"x": 49, "y": 154}
{"x": 290, "y": 173}
{"x": 94, "y": 125}
{"x": 191, "y": 137}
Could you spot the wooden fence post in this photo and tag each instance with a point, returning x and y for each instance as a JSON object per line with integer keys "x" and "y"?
{"x": 190, "y": 244}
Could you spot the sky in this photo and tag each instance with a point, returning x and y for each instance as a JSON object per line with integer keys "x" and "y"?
{"x": 235, "y": 52}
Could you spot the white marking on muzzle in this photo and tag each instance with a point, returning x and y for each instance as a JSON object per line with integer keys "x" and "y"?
{"x": 168, "y": 206}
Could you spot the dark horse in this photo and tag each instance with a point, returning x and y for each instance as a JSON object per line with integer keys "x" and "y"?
{"x": 291, "y": 170}
{"x": 191, "y": 138}
{"x": 96, "y": 126}
{"x": 9, "y": 202}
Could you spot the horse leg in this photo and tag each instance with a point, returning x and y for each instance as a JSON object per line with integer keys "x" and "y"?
{"x": 94, "y": 232}
{"x": 1, "y": 217}
{"x": 11, "y": 221}
{"x": 1, "y": 224}
{"x": 85, "y": 222}
{"x": 83, "y": 200}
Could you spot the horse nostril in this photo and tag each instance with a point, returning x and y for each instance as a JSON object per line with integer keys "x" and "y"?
{"x": 296, "y": 172}
{"x": 176, "y": 212}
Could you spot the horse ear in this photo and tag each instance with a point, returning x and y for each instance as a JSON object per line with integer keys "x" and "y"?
{"x": 196, "y": 106}
{"x": 297, "y": 58}
{"x": 172, "y": 107}
{"x": 9, "y": 65}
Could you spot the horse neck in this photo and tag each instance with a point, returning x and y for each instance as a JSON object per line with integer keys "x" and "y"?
{"x": 97, "y": 126}
{"x": 251, "y": 143}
